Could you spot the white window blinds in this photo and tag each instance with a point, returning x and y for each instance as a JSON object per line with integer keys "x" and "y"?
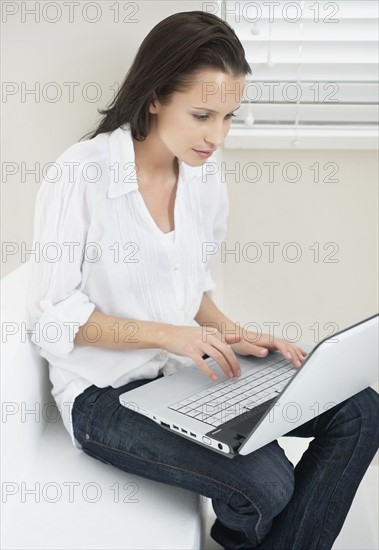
{"x": 314, "y": 68}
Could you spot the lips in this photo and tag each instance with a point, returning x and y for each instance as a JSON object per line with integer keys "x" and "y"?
{"x": 207, "y": 152}
{"x": 203, "y": 154}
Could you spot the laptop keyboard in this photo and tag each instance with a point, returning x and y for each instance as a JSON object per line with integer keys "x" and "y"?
{"x": 229, "y": 398}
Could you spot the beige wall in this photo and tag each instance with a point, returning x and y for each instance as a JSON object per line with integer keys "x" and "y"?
{"x": 337, "y": 285}
{"x": 57, "y": 58}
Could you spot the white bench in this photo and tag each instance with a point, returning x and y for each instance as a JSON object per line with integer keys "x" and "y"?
{"x": 55, "y": 496}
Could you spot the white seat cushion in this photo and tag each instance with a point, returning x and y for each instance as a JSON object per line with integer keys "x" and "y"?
{"x": 78, "y": 501}
{"x": 84, "y": 504}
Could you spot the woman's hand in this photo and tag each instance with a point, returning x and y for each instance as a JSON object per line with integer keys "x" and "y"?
{"x": 194, "y": 342}
{"x": 252, "y": 340}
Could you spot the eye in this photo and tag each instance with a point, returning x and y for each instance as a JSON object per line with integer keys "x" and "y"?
{"x": 204, "y": 117}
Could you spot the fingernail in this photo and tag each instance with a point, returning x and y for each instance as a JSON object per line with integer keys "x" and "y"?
{"x": 230, "y": 374}
{"x": 214, "y": 377}
{"x": 289, "y": 355}
{"x": 263, "y": 351}
{"x": 238, "y": 373}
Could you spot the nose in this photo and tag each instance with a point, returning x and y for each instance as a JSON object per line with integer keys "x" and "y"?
{"x": 215, "y": 135}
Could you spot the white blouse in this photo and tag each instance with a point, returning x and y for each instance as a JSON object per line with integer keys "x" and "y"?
{"x": 99, "y": 248}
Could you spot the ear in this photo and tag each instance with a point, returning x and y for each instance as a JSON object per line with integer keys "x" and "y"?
{"x": 153, "y": 104}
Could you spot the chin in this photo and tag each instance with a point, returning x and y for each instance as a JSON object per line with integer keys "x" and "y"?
{"x": 197, "y": 164}
{"x": 197, "y": 161}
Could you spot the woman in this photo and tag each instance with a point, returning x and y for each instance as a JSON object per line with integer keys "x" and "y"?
{"x": 130, "y": 212}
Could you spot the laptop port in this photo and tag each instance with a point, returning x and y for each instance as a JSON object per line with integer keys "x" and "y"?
{"x": 194, "y": 435}
{"x": 176, "y": 427}
{"x": 164, "y": 424}
{"x": 184, "y": 431}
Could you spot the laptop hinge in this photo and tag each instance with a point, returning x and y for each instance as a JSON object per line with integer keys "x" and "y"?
{"x": 235, "y": 431}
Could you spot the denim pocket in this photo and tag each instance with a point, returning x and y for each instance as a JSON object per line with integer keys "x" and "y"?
{"x": 92, "y": 405}
{"x": 84, "y": 400}
{"x": 104, "y": 419}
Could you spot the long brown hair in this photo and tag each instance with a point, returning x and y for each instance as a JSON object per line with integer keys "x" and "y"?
{"x": 167, "y": 61}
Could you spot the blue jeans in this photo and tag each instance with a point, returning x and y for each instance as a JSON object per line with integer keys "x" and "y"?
{"x": 260, "y": 500}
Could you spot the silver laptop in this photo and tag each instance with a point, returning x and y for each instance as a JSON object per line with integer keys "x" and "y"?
{"x": 269, "y": 399}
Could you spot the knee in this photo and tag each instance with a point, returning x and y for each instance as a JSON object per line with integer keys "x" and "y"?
{"x": 367, "y": 403}
{"x": 264, "y": 485}
{"x": 276, "y": 494}
{"x": 273, "y": 488}
{"x": 358, "y": 415}
{"x": 254, "y": 506}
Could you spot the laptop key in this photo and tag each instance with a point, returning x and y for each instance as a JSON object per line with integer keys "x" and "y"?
{"x": 194, "y": 413}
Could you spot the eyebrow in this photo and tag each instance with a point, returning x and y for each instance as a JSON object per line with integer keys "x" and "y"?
{"x": 211, "y": 110}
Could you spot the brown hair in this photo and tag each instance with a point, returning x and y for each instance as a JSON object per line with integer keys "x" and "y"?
{"x": 167, "y": 61}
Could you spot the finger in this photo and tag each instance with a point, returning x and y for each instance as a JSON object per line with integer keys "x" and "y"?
{"x": 203, "y": 366}
{"x": 221, "y": 360}
{"x": 298, "y": 358}
{"x": 226, "y": 358}
{"x": 290, "y": 354}
{"x": 298, "y": 355}
{"x": 233, "y": 362}
{"x": 229, "y": 357}
{"x": 258, "y": 351}
{"x": 301, "y": 353}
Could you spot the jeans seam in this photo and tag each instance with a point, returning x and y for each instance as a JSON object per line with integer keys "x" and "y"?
{"x": 191, "y": 472}
{"x": 347, "y": 465}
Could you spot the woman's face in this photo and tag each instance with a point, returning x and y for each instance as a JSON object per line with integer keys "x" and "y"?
{"x": 200, "y": 118}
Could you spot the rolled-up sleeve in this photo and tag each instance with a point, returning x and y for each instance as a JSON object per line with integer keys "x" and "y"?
{"x": 56, "y": 306}
{"x": 220, "y": 228}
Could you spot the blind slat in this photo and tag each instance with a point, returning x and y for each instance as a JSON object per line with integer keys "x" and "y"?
{"x": 286, "y": 112}
{"x": 349, "y": 30}
{"x": 315, "y": 71}
{"x": 313, "y": 52}
{"x": 330, "y": 92}
{"x": 269, "y": 136}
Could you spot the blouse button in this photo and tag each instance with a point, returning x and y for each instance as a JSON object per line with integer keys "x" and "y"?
{"x": 176, "y": 268}
{"x": 45, "y": 304}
